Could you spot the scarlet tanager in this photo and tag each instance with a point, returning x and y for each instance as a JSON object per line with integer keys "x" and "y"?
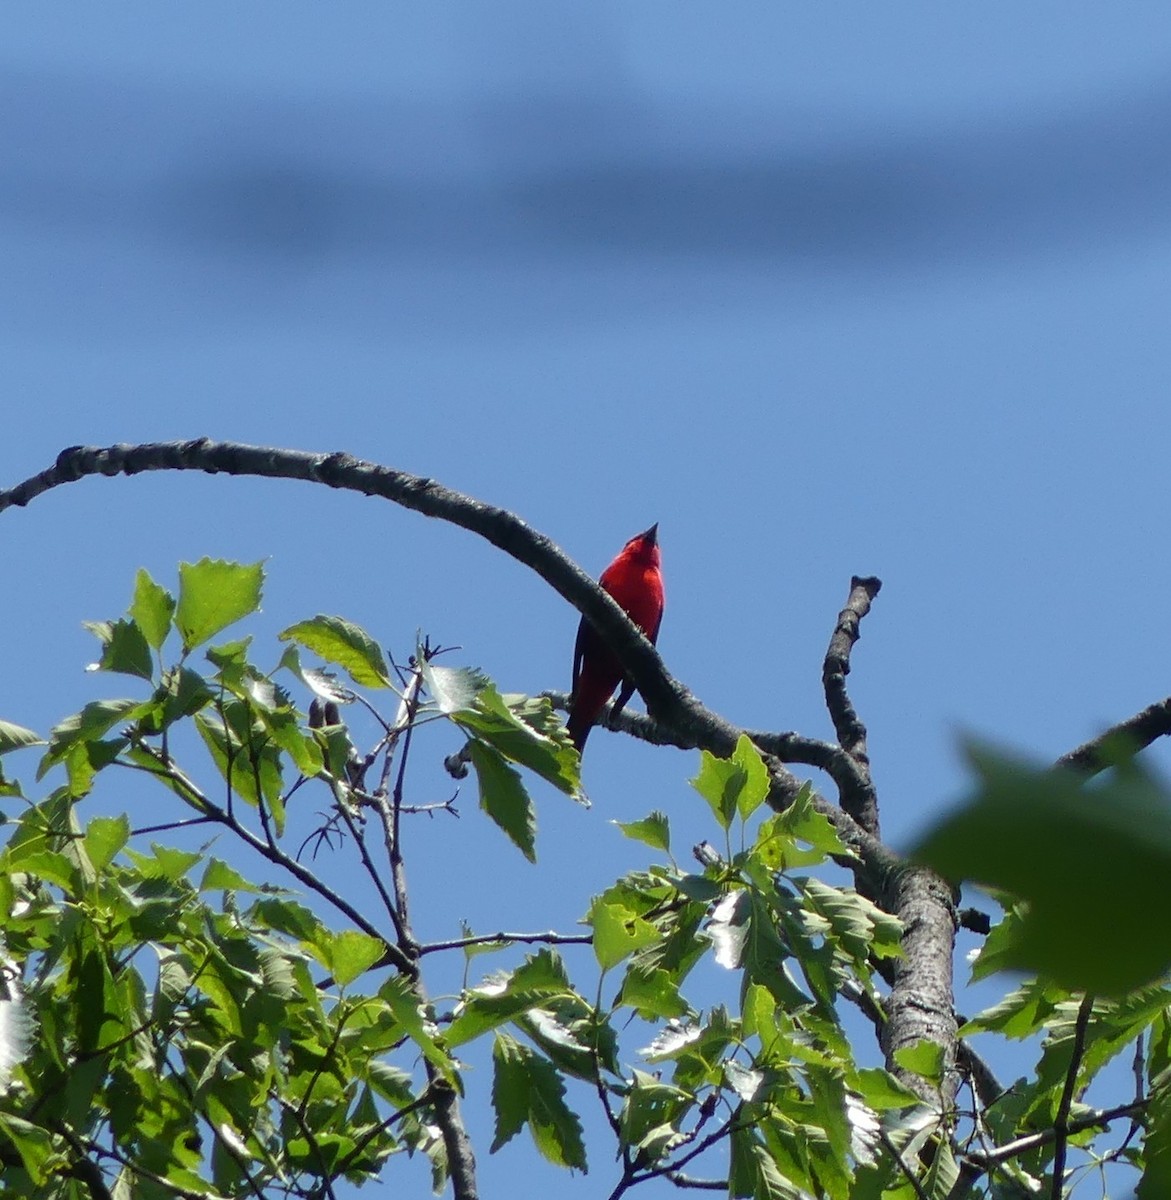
{"x": 635, "y": 580}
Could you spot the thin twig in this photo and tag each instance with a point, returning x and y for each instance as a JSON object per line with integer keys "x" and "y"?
{"x": 1032, "y": 1141}
{"x": 1061, "y": 1122}
{"x": 297, "y": 1112}
{"x": 487, "y": 939}
{"x": 893, "y": 1151}
{"x": 168, "y": 771}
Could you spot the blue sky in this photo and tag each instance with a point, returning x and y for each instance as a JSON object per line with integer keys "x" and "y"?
{"x": 823, "y": 290}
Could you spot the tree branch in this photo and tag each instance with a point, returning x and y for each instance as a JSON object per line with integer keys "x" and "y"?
{"x": 860, "y": 800}
{"x": 787, "y": 747}
{"x": 1128, "y": 737}
{"x": 879, "y": 870}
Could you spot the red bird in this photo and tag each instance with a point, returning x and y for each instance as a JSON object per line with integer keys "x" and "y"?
{"x": 635, "y": 580}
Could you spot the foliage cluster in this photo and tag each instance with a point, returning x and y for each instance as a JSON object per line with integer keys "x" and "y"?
{"x": 171, "y": 1027}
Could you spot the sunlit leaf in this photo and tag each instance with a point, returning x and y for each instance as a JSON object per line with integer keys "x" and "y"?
{"x": 653, "y": 830}
{"x": 344, "y": 644}
{"x": 618, "y": 933}
{"x": 214, "y": 594}
{"x": 728, "y": 928}
{"x": 124, "y": 648}
{"x": 16, "y": 737}
{"x": 152, "y": 609}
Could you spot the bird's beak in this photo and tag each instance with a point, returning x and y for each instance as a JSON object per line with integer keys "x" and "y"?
{"x": 651, "y": 537}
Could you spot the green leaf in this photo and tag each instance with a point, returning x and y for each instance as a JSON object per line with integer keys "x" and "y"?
{"x": 165, "y": 862}
{"x": 527, "y": 1089}
{"x": 33, "y": 1145}
{"x": 454, "y": 689}
{"x": 94, "y": 721}
{"x": 152, "y": 609}
{"x": 344, "y": 644}
{"x": 510, "y": 1090}
{"x": 504, "y": 799}
{"x": 104, "y": 838}
{"x": 923, "y": 1058}
{"x": 651, "y": 1114}
{"x": 504, "y": 996}
{"x": 124, "y": 648}
{"x": 618, "y": 933}
{"x": 858, "y": 925}
{"x": 419, "y": 1024}
{"x": 653, "y": 831}
{"x": 1155, "y": 1183}
{"x": 720, "y": 782}
{"x": 16, "y": 737}
{"x": 214, "y": 594}
{"x": 804, "y": 823}
{"x": 652, "y": 993}
{"x": 1101, "y": 850}
{"x": 881, "y": 1090}
{"x": 243, "y": 762}
{"x": 756, "y": 782}
{"x": 221, "y": 877}
{"x": 524, "y": 729}
{"x": 352, "y": 953}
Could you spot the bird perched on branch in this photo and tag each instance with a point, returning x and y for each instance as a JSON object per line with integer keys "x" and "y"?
{"x": 635, "y": 580}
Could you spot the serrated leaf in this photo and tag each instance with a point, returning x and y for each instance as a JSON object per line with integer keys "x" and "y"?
{"x": 758, "y": 1012}
{"x": 618, "y": 933}
{"x": 522, "y": 729}
{"x": 16, "y": 737}
{"x": 219, "y": 876}
{"x": 33, "y": 1145}
{"x": 803, "y": 822}
{"x": 881, "y": 1090}
{"x": 672, "y": 1040}
{"x": 859, "y": 925}
{"x": 165, "y": 862}
{"x": 510, "y": 1090}
{"x": 419, "y": 1025}
{"x": 1155, "y": 1183}
{"x": 526, "y": 1087}
{"x": 505, "y": 996}
{"x": 504, "y": 799}
{"x": 746, "y": 1082}
{"x": 454, "y": 689}
{"x": 124, "y": 648}
{"x": 756, "y": 782}
{"x": 653, "y": 830}
{"x": 152, "y": 609}
{"x": 344, "y": 644}
{"x": 104, "y": 837}
{"x": 864, "y": 1130}
{"x": 352, "y": 953}
{"x": 651, "y": 1113}
{"x": 214, "y": 594}
{"x": 720, "y": 782}
{"x": 652, "y": 992}
{"x": 95, "y": 720}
